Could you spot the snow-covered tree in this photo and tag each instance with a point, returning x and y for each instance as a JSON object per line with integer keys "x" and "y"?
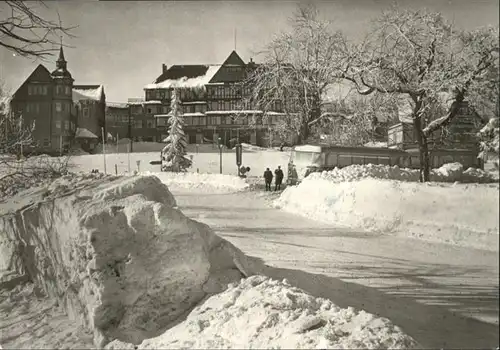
{"x": 174, "y": 156}
{"x": 14, "y": 132}
{"x": 489, "y": 138}
{"x": 418, "y": 55}
{"x": 296, "y": 70}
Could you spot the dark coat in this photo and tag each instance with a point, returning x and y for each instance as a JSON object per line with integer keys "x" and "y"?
{"x": 268, "y": 175}
{"x": 279, "y": 175}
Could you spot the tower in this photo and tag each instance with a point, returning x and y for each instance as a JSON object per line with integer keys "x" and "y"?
{"x": 62, "y": 103}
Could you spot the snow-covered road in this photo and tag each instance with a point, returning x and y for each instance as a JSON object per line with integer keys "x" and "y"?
{"x": 443, "y": 296}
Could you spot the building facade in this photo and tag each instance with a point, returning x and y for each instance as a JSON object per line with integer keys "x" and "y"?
{"x": 117, "y": 121}
{"x": 213, "y": 105}
{"x": 64, "y": 114}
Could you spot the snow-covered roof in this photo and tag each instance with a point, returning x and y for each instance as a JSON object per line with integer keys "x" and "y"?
{"x": 234, "y": 112}
{"x": 196, "y": 114}
{"x": 308, "y": 148}
{"x": 91, "y": 92}
{"x": 116, "y": 104}
{"x": 185, "y": 81}
{"x": 140, "y": 103}
{"x": 82, "y": 133}
{"x": 194, "y": 103}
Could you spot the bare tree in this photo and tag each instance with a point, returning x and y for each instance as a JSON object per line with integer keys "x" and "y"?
{"x": 26, "y": 33}
{"x": 420, "y": 56}
{"x": 296, "y": 70}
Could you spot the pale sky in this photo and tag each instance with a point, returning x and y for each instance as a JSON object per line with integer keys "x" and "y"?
{"x": 122, "y": 44}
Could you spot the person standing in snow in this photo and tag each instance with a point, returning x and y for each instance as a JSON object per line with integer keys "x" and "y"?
{"x": 268, "y": 177}
{"x": 278, "y": 178}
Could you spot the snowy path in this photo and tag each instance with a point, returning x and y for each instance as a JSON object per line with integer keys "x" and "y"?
{"x": 443, "y": 296}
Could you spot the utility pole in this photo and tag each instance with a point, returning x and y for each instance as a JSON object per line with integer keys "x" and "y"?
{"x": 130, "y": 126}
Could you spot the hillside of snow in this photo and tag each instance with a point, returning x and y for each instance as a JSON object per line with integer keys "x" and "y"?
{"x": 357, "y": 197}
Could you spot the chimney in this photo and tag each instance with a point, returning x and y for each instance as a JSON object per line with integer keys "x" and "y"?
{"x": 163, "y": 68}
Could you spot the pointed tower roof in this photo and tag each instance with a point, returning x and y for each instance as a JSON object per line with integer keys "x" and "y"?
{"x": 233, "y": 59}
{"x": 61, "y": 70}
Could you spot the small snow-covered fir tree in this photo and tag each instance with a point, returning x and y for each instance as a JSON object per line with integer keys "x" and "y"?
{"x": 174, "y": 156}
{"x": 489, "y": 137}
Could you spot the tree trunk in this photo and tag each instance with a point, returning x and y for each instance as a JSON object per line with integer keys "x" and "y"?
{"x": 423, "y": 148}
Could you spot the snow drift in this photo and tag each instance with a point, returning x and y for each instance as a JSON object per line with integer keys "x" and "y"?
{"x": 260, "y": 313}
{"x": 450, "y": 172}
{"x": 461, "y": 214}
{"x": 201, "y": 182}
{"x": 115, "y": 252}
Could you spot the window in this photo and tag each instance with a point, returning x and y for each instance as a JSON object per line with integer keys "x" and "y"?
{"x": 188, "y": 120}
{"x": 136, "y": 109}
{"x": 59, "y": 107}
{"x": 162, "y": 121}
{"x": 227, "y": 106}
{"x": 67, "y": 90}
{"x": 85, "y": 112}
{"x": 37, "y": 107}
{"x": 137, "y": 124}
{"x": 150, "y": 124}
{"x": 200, "y": 108}
{"x": 164, "y": 109}
{"x": 66, "y": 125}
{"x": 215, "y": 120}
{"x": 46, "y": 142}
{"x": 58, "y": 124}
{"x": 30, "y": 90}
{"x": 45, "y": 90}
{"x": 59, "y": 90}
{"x": 72, "y": 126}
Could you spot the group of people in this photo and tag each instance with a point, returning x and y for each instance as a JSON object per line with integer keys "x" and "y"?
{"x": 278, "y": 178}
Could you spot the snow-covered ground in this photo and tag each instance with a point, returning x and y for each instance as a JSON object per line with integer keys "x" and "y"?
{"x": 356, "y": 197}
{"x": 135, "y": 264}
{"x": 442, "y": 295}
{"x": 206, "y": 162}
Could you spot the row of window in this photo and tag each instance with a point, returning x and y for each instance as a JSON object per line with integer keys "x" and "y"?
{"x": 65, "y": 125}
{"x": 37, "y": 89}
{"x": 231, "y": 105}
{"x": 166, "y": 94}
{"x": 34, "y": 107}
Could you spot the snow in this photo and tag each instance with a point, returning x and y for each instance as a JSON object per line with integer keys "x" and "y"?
{"x": 200, "y": 182}
{"x": 261, "y": 313}
{"x": 186, "y": 82}
{"x": 234, "y": 112}
{"x": 376, "y": 144}
{"x": 121, "y": 259}
{"x": 85, "y": 134}
{"x": 206, "y": 160}
{"x": 140, "y": 103}
{"x": 88, "y": 94}
{"x": 308, "y": 148}
{"x": 449, "y": 172}
{"x": 459, "y": 214}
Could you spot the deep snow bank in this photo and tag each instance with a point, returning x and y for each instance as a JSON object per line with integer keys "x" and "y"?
{"x": 462, "y": 214}
{"x": 450, "y": 172}
{"x": 201, "y": 182}
{"x": 115, "y": 252}
{"x": 260, "y": 313}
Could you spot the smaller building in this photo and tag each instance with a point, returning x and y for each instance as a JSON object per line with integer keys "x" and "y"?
{"x": 117, "y": 121}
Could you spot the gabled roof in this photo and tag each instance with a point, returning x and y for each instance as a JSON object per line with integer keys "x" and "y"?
{"x": 88, "y": 92}
{"x": 39, "y": 71}
{"x": 234, "y": 60}
{"x": 185, "y": 76}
